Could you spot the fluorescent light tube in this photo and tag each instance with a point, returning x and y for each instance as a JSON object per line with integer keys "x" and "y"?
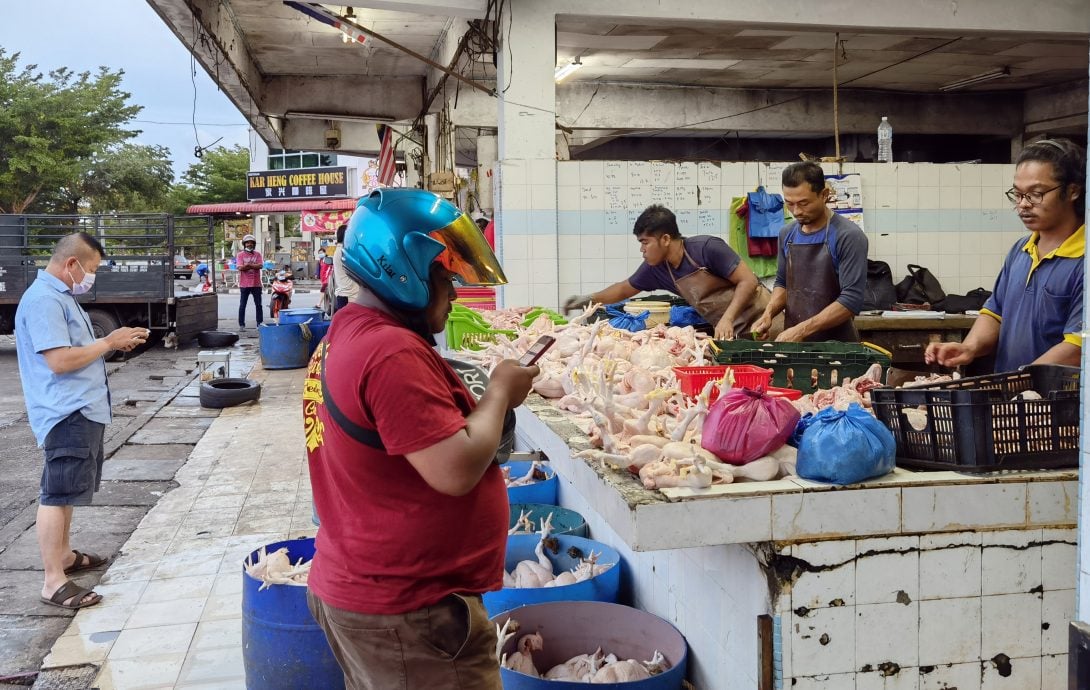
{"x": 978, "y": 79}
{"x": 564, "y": 71}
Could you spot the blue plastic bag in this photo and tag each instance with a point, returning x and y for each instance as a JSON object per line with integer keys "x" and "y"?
{"x": 800, "y": 428}
{"x": 765, "y": 213}
{"x": 625, "y": 321}
{"x": 685, "y": 315}
{"x": 846, "y": 447}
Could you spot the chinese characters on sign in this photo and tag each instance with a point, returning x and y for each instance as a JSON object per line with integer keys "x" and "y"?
{"x": 305, "y": 183}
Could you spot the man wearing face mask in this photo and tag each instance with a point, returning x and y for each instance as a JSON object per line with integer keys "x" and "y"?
{"x": 67, "y": 396}
{"x": 249, "y": 263}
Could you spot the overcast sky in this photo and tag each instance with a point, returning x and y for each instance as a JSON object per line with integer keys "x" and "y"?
{"x": 127, "y": 35}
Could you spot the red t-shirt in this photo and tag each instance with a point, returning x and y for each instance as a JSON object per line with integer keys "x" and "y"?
{"x": 389, "y": 543}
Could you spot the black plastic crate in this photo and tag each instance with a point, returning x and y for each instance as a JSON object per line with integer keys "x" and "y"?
{"x": 805, "y": 367}
{"x": 978, "y": 424}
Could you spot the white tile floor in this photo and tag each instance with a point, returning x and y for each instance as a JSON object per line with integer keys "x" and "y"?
{"x": 171, "y": 614}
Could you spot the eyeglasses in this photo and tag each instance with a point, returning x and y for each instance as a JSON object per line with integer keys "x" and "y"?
{"x": 1034, "y": 198}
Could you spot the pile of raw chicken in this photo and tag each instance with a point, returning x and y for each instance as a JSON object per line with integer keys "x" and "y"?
{"x": 540, "y": 572}
{"x": 596, "y": 667}
{"x": 621, "y": 387}
{"x": 276, "y": 568}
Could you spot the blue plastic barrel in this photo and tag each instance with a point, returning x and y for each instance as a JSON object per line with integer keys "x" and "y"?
{"x": 580, "y": 627}
{"x": 520, "y": 547}
{"x": 539, "y": 492}
{"x": 317, "y": 332}
{"x": 299, "y": 315}
{"x": 283, "y": 347}
{"x": 282, "y": 646}
{"x": 565, "y": 520}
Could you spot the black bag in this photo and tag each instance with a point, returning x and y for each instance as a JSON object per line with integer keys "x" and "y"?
{"x": 959, "y": 304}
{"x": 880, "y": 292}
{"x": 920, "y": 286}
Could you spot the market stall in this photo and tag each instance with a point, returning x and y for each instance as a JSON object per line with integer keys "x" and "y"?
{"x": 909, "y": 579}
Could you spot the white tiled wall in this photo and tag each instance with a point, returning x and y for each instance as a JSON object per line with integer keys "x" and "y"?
{"x": 936, "y": 611}
{"x": 952, "y": 219}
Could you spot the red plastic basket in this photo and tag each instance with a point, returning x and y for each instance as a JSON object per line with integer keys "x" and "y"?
{"x": 788, "y": 393}
{"x": 692, "y": 379}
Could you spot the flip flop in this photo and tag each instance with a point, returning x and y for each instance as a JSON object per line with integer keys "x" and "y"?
{"x": 70, "y": 591}
{"x": 84, "y": 561}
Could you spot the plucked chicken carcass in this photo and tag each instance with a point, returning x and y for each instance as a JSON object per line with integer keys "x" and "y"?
{"x": 276, "y": 569}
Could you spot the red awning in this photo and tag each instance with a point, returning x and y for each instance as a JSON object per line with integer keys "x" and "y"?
{"x": 293, "y": 206}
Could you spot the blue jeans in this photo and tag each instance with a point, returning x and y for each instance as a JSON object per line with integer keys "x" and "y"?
{"x": 246, "y": 292}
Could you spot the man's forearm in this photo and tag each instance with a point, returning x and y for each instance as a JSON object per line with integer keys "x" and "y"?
{"x": 62, "y": 360}
{"x": 1061, "y": 353}
{"x": 777, "y": 303}
{"x": 743, "y": 295}
{"x": 829, "y": 317}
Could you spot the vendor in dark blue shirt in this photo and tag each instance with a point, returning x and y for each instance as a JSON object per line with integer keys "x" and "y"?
{"x": 1034, "y": 315}
{"x": 703, "y": 270}
{"x": 821, "y": 272}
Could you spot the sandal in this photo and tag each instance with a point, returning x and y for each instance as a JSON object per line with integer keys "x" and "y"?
{"x": 70, "y": 591}
{"x": 84, "y": 561}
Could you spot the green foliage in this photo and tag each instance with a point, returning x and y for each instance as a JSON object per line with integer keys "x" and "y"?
{"x": 219, "y": 177}
{"x": 53, "y": 126}
{"x": 130, "y": 178}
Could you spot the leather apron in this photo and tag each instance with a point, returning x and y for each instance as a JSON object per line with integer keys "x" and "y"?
{"x": 812, "y": 285}
{"x": 710, "y": 295}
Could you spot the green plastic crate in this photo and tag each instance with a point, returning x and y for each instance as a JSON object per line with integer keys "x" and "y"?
{"x": 465, "y": 334}
{"x": 794, "y": 365}
{"x": 534, "y": 313}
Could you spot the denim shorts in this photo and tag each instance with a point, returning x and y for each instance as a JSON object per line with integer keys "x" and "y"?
{"x": 73, "y": 462}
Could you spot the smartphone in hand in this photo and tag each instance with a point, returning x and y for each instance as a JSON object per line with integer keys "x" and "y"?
{"x": 536, "y": 351}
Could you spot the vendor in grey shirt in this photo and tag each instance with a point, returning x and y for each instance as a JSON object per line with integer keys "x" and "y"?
{"x": 703, "y": 270}
{"x": 822, "y": 267}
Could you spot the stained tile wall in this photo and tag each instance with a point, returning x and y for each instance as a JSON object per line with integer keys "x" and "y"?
{"x": 968, "y": 610}
{"x": 953, "y": 219}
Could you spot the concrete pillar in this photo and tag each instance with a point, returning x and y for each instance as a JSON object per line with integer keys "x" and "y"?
{"x": 1082, "y": 591}
{"x": 487, "y": 154}
{"x": 525, "y": 179}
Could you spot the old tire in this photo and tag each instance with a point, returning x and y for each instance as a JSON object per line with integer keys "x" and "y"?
{"x": 220, "y": 393}
{"x": 216, "y": 338}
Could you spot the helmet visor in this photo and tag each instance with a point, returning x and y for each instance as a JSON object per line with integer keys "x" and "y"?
{"x": 467, "y": 253}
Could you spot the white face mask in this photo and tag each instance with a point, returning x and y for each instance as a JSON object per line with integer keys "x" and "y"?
{"x": 84, "y": 286}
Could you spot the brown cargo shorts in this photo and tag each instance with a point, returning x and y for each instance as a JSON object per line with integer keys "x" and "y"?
{"x": 450, "y": 645}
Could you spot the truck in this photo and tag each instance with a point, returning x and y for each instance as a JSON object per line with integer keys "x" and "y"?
{"x": 135, "y": 284}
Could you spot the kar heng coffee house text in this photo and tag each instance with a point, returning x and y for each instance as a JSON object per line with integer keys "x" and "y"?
{"x": 304, "y": 183}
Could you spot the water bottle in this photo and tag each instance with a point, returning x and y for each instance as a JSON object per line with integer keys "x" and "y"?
{"x": 885, "y": 141}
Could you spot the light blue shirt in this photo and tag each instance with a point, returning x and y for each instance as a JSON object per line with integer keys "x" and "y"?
{"x": 48, "y": 317}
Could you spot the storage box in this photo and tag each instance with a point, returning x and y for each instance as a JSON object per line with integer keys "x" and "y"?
{"x": 979, "y": 424}
{"x": 803, "y": 366}
{"x": 693, "y": 379}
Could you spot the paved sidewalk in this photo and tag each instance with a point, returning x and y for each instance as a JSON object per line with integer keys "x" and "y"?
{"x": 172, "y": 602}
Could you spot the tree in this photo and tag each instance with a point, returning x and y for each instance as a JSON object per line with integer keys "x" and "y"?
{"x": 123, "y": 178}
{"x": 219, "y": 176}
{"x": 52, "y": 127}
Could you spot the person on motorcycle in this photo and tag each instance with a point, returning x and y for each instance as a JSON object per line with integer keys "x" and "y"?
{"x": 281, "y": 289}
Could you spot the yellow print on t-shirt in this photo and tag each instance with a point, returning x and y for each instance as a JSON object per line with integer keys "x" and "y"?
{"x": 312, "y": 397}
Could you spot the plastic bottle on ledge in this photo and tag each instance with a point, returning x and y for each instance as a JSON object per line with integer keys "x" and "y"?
{"x": 885, "y": 141}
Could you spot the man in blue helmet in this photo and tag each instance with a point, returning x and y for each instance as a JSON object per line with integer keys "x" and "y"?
{"x": 414, "y": 512}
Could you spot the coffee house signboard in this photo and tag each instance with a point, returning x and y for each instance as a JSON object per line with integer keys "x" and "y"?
{"x": 302, "y": 183}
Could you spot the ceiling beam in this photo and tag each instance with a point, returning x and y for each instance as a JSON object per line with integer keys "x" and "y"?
{"x": 357, "y": 97}
{"x": 470, "y": 9}
{"x": 638, "y": 108}
{"x": 1057, "y": 18}
{"x": 208, "y": 30}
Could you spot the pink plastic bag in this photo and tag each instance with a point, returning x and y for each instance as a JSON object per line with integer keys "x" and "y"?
{"x": 745, "y": 424}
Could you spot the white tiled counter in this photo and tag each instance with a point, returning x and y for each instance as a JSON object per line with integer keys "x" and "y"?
{"x": 914, "y": 581}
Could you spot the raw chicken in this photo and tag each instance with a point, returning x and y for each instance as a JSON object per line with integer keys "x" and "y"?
{"x": 523, "y": 660}
{"x": 578, "y": 669}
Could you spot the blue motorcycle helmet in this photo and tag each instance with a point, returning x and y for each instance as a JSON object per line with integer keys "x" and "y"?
{"x": 394, "y": 235}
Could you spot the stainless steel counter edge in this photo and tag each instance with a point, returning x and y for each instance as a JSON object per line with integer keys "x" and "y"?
{"x": 797, "y": 510}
